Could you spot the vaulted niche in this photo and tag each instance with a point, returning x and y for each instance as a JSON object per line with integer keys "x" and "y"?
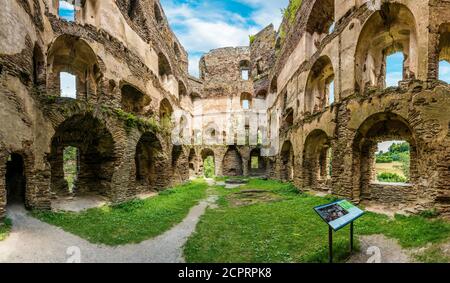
{"x": 149, "y": 160}
{"x": 316, "y": 160}
{"x": 287, "y": 162}
{"x": 388, "y": 31}
{"x": 134, "y": 101}
{"x": 165, "y": 113}
{"x": 164, "y": 68}
{"x": 321, "y": 20}
{"x": 73, "y": 68}
{"x": 232, "y": 162}
{"x": 320, "y": 86}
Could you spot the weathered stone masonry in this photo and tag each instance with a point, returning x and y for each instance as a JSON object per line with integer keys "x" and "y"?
{"x": 131, "y": 76}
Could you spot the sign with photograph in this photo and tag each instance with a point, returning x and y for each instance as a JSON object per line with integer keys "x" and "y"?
{"x": 338, "y": 214}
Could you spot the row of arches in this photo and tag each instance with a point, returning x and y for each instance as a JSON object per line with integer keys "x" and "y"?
{"x": 75, "y": 72}
{"x": 315, "y": 171}
{"x": 386, "y": 53}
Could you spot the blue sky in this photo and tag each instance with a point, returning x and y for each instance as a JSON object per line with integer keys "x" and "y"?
{"x": 202, "y": 25}
{"x": 66, "y": 11}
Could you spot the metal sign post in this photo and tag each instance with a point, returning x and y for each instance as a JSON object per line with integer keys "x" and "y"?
{"x": 338, "y": 215}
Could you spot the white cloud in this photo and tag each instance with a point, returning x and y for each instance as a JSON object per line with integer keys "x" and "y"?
{"x": 393, "y": 78}
{"x": 203, "y": 27}
{"x": 64, "y": 5}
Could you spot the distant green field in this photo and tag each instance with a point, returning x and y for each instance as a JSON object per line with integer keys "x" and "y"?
{"x": 394, "y": 167}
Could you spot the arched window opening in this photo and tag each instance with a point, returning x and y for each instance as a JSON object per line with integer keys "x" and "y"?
{"x": 66, "y": 10}
{"x": 246, "y": 100}
{"x": 388, "y": 31}
{"x": 444, "y": 53}
{"x": 444, "y": 71}
{"x": 15, "y": 179}
{"x": 244, "y": 67}
{"x": 330, "y": 88}
{"x": 68, "y": 85}
{"x": 73, "y": 68}
{"x": 321, "y": 20}
{"x": 320, "y": 86}
{"x": 257, "y": 165}
{"x": 394, "y": 69}
{"x": 71, "y": 167}
{"x": 208, "y": 158}
{"x": 384, "y": 158}
{"x": 259, "y": 138}
{"x": 392, "y": 162}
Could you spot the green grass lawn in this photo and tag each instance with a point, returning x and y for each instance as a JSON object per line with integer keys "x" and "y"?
{"x": 130, "y": 222}
{"x": 5, "y": 228}
{"x": 280, "y": 225}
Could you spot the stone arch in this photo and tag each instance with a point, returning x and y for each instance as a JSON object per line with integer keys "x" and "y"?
{"x": 388, "y": 30}
{"x": 205, "y": 153}
{"x": 320, "y": 18}
{"x": 232, "y": 162}
{"x": 150, "y": 163}
{"x": 74, "y": 55}
{"x": 377, "y": 128}
{"x": 316, "y": 160}
{"x": 97, "y": 155}
{"x": 287, "y": 162}
{"x": 134, "y": 101}
{"x": 318, "y": 85}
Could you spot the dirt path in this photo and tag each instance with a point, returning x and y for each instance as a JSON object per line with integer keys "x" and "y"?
{"x": 34, "y": 241}
{"x": 380, "y": 249}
